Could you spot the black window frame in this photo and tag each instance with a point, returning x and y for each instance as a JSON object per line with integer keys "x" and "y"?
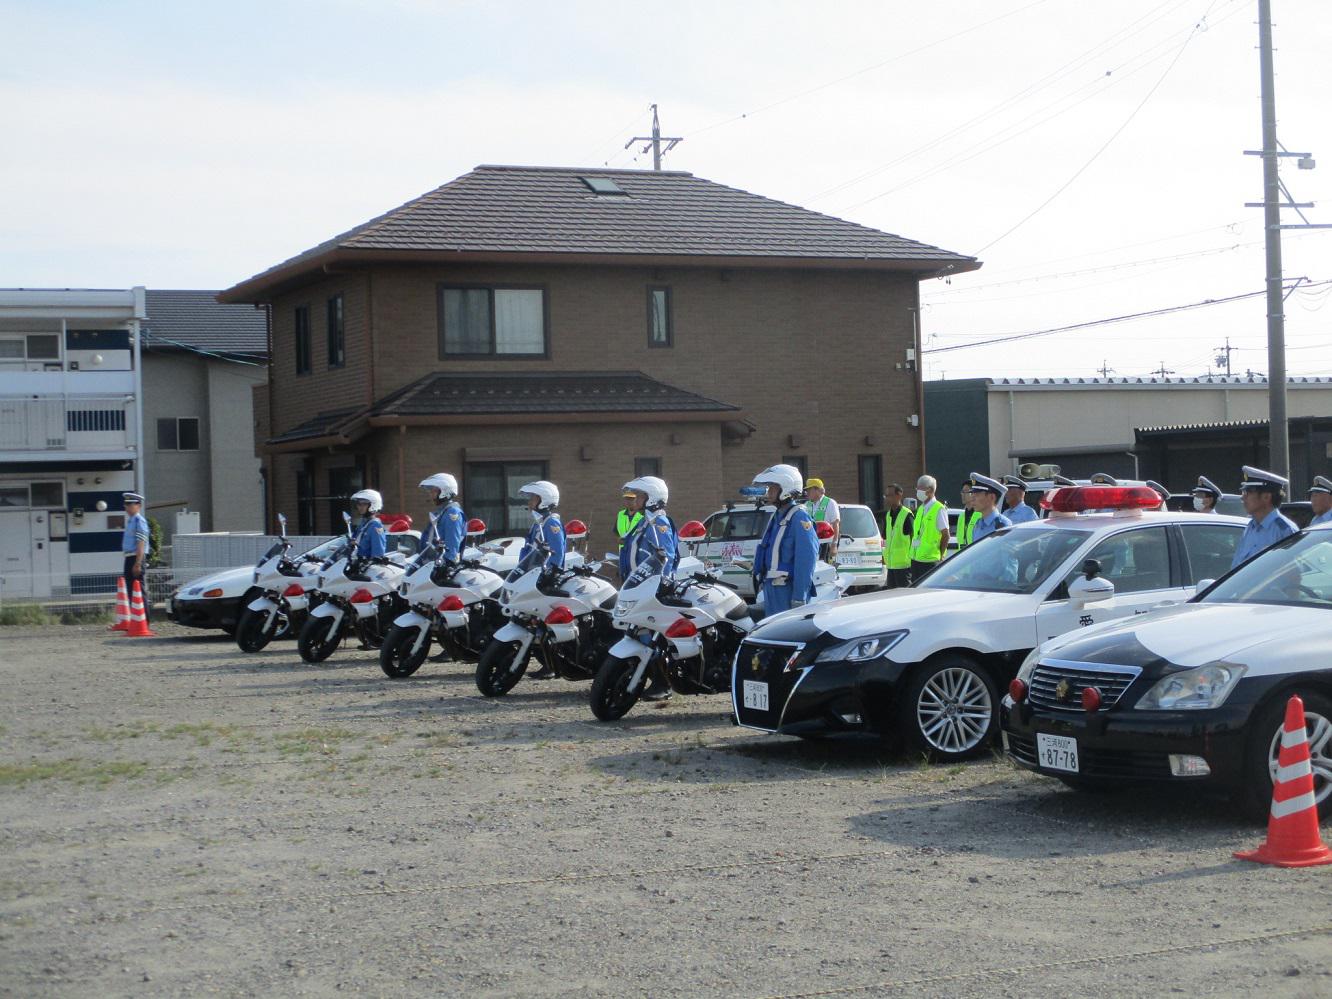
{"x": 798, "y": 461}
{"x": 300, "y": 327}
{"x": 176, "y": 423}
{"x": 475, "y": 471}
{"x": 492, "y": 354}
{"x": 305, "y": 501}
{"x": 652, "y": 290}
{"x": 875, "y": 501}
{"x": 647, "y": 466}
{"x": 337, "y": 332}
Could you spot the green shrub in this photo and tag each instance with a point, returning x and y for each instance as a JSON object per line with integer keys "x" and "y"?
{"x": 25, "y": 614}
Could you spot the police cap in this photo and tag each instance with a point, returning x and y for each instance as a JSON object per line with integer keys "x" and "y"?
{"x": 1321, "y": 484}
{"x": 985, "y": 484}
{"x": 1256, "y": 478}
{"x": 131, "y": 498}
{"x": 1206, "y": 487}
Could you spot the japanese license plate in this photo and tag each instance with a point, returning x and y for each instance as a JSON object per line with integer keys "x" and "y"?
{"x": 756, "y": 695}
{"x": 849, "y": 558}
{"x": 1057, "y": 752}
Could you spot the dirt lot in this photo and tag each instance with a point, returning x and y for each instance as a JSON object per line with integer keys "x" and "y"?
{"x": 179, "y": 818}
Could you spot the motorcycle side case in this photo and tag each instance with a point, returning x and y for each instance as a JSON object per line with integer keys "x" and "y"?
{"x": 562, "y": 632}
{"x": 453, "y": 619}
{"x": 686, "y": 648}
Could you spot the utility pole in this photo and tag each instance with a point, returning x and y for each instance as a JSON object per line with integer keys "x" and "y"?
{"x": 1162, "y": 371}
{"x": 655, "y": 140}
{"x": 1223, "y": 355}
{"x": 1105, "y": 369}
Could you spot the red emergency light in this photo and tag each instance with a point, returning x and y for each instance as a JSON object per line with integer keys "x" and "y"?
{"x": 1017, "y": 689}
{"x": 395, "y": 523}
{"x": 823, "y": 531}
{"x": 362, "y": 596}
{"x": 575, "y": 530}
{"x": 476, "y": 526}
{"x": 452, "y": 602}
{"x": 1091, "y": 700}
{"x": 682, "y": 627}
{"x": 1083, "y": 499}
{"x": 560, "y": 614}
{"x": 294, "y": 590}
{"x": 693, "y": 530}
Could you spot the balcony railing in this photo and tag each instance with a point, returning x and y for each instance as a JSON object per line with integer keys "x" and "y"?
{"x": 66, "y": 423}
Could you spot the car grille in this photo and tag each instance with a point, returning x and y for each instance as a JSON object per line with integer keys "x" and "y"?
{"x": 1097, "y": 762}
{"x": 766, "y": 664}
{"x": 1055, "y": 676}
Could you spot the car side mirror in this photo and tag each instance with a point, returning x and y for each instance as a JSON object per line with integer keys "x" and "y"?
{"x": 1091, "y": 568}
{"x": 1203, "y": 584}
{"x": 1090, "y": 589}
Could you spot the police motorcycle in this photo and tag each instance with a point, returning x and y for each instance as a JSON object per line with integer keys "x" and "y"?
{"x": 286, "y": 583}
{"x": 358, "y": 597}
{"x": 560, "y": 616}
{"x": 454, "y": 603}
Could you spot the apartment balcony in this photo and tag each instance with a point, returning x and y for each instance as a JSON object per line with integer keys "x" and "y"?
{"x": 66, "y": 427}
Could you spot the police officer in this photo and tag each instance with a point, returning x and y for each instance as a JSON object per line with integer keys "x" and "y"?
{"x": 1320, "y": 498}
{"x": 1262, "y": 493}
{"x": 627, "y": 518}
{"x": 969, "y": 516}
{"x": 823, "y": 509}
{"x": 1205, "y": 495}
{"x": 653, "y": 530}
{"x": 371, "y": 538}
{"x": 785, "y": 557}
{"x": 136, "y": 545}
{"x": 448, "y": 526}
{"x": 897, "y": 532}
{"x": 1016, "y": 508}
{"x": 929, "y": 529}
{"x": 985, "y": 495}
{"x": 547, "y": 528}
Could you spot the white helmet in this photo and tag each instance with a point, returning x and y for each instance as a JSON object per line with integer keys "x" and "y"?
{"x": 370, "y": 496}
{"x": 547, "y": 491}
{"x": 787, "y": 478}
{"x": 444, "y": 482}
{"x": 652, "y": 487}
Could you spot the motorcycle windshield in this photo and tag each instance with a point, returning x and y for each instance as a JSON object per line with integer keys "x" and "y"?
{"x": 526, "y": 564}
{"x": 270, "y": 553}
{"x": 649, "y": 567}
{"x": 427, "y": 554}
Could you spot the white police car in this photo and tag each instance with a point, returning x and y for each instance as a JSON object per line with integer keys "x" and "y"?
{"x": 1194, "y": 695}
{"x": 927, "y": 663}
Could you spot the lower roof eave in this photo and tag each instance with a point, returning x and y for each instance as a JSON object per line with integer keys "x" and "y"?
{"x": 508, "y": 419}
{"x": 304, "y": 444}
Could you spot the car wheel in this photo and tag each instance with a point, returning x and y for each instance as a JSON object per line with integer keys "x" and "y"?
{"x": 1260, "y": 764}
{"x": 949, "y": 710}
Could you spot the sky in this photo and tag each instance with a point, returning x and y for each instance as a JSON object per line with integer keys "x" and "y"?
{"x": 1090, "y": 152}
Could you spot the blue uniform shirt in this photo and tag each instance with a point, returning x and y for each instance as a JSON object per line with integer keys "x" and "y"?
{"x": 653, "y": 531}
{"x": 1322, "y": 518}
{"x": 1020, "y": 514}
{"x": 136, "y": 527}
{"x": 371, "y": 541}
{"x": 1258, "y": 536}
{"x": 450, "y": 530}
{"x": 550, "y": 531}
{"x": 988, "y": 525}
{"x": 795, "y": 555}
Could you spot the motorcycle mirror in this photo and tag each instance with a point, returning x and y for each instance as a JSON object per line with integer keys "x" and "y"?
{"x": 346, "y": 519}
{"x": 282, "y": 524}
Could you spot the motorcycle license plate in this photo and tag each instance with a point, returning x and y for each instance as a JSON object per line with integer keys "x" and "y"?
{"x": 756, "y": 695}
{"x": 1057, "y": 752}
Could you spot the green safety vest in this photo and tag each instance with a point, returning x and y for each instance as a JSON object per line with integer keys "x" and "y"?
{"x": 925, "y": 535}
{"x": 965, "y": 523}
{"x": 817, "y": 511}
{"x": 625, "y": 523}
{"x": 897, "y": 548}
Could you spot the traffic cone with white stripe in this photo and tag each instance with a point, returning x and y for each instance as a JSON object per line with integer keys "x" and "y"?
{"x": 138, "y": 623}
{"x": 1293, "y": 839}
{"x": 122, "y": 608}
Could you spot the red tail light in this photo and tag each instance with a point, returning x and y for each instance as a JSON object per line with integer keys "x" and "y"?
{"x": 1082, "y": 498}
{"x": 362, "y": 596}
{"x": 693, "y": 531}
{"x": 452, "y": 602}
{"x": 560, "y": 615}
{"x": 682, "y": 627}
{"x": 1017, "y": 690}
{"x": 294, "y": 590}
{"x": 1091, "y": 699}
{"x": 476, "y": 526}
{"x": 823, "y": 530}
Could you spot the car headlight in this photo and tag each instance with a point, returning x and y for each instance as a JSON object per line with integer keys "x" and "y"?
{"x": 1193, "y": 689}
{"x": 859, "y": 650}
{"x": 1029, "y": 665}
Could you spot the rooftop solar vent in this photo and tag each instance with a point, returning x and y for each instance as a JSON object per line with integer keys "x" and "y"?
{"x": 602, "y": 185}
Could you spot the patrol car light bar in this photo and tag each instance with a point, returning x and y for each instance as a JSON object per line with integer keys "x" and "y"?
{"x": 1081, "y": 499}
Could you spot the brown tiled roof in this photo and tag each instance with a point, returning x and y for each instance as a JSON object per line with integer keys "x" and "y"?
{"x": 540, "y": 392}
{"x": 330, "y": 421}
{"x": 660, "y": 214}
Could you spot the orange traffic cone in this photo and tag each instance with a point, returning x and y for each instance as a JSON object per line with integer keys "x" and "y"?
{"x": 138, "y": 623}
{"x": 1292, "y": 828}
{"x": 122, "y": 608}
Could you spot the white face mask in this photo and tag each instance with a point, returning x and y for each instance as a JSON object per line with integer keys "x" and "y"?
{"x": 1198, "y": 504}
{"x": 537, "y": 516}
{"x": 922, "y": 495}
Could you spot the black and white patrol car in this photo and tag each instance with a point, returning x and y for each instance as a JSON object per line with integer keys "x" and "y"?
{"x": 927, "y": 663}
{"x": 1193, "y": 695}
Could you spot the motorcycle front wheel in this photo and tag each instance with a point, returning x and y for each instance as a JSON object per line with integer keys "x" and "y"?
{"x": 611, "y": 696}
{"x": 318, "y": 639}
{"x": 499, "y": 669}
{"x": 255, "y": 630}
{"x": 396, "y": 657}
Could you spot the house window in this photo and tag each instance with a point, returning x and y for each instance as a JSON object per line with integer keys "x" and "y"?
{"x": 337, "y": 343}
{"x": 484, "y": 322}
{"x": 659, "y": 317}
{"x": 647, "y": 466}
{"x": 305, "y": 502}
{"x": 301, "y": 324}
{"x": 870, "y": 474}
{"x": 799, "y": 461}
{"x": 31, "y": 347}
{"x": 342, "y": 482}
{"x": 13, "y": 497}
{"x": 178, "y": 434}
{"x": 490, "y": 491}
{"x": 50, "y": 495}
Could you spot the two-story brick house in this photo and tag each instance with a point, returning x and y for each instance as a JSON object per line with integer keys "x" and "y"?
{"x": 585, "y": 326}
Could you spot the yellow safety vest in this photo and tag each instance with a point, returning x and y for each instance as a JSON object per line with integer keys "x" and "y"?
{"x": 897, "y": 548}
{"x": 964, "y": 525}
{"x": 925, "y": 534}
{"x": 624, "y": 524}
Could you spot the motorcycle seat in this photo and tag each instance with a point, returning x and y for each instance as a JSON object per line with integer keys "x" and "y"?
{"x": 753, "y": 613}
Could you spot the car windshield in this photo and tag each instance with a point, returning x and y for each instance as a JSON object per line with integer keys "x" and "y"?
{"x": 1012, "y": 561}
{"x": 738, "y": 525}
{"x": 649, "y": 567}
{"x": 857, "y": 522}
{"x": 1295, "y": 573}
{"x": 534, "y": 557}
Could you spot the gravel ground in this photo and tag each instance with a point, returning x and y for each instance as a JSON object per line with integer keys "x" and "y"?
{"x": 179, "y": 818}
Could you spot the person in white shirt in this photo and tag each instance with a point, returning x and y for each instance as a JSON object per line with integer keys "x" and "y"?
{"x": 823, "y": 508}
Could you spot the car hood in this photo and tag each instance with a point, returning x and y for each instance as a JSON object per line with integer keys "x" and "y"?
{"x": 1259, "y": 635}
{"x": 872, "y": 613}
{"x": 232, "y": 582}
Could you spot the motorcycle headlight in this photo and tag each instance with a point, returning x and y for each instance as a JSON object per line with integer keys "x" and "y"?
{"x": 859, "y": 650}
{"x": 623, "y": 607}
{"x": 1193, "y": 689}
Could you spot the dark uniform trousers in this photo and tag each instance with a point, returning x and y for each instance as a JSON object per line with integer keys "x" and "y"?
{"x": 899, "y": 579}
{"x": 129, "y": 584}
